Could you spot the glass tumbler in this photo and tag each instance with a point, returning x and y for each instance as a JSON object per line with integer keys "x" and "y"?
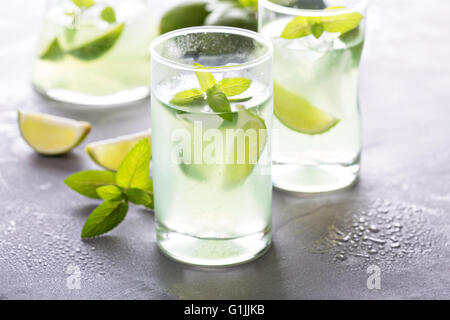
{"x": 317, "y": 124}
{"x": 95, "y": 53}
{"x": 211, "y": 109}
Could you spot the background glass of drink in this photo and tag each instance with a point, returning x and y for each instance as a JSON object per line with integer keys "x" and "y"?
{"x": 317, "y": 131}
{"x": 95, "y": 52}
{"x": 213, "y": 194}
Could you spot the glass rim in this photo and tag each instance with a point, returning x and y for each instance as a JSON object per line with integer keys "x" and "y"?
{"x": 211, "y": 29}
{"x": 361, "y": 4}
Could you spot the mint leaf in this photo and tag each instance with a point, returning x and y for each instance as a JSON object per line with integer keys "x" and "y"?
{"x": 110, "y": 192}
{"x": 206, "y": 79}
{"x": 148, "y": 186}
{"x": 140, "y": 197}
{"x": 187, "y": 97}
{"x": 104, "y": 218}
{"x": 134, "y": 171}
{"x": 296, "y": 28}
{"x": 341, "y": 23}
{"x": 53, "y": 52}
{"x": 317, "y": 30}
{"x": 87, "y": 182}
{"x": 83, "y": 4}
{"x": 218, "y": 101}
{"x": 234, "y": 86}
{"x": 249, "y": 3}
{"x": 108, "y": 14}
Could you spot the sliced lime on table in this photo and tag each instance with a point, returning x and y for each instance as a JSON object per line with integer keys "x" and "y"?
{"x": 99, "y": 46}
{"x": 110, "y": 153}
{"x": 51, "y": 135}
{"x": 299, "y": 114}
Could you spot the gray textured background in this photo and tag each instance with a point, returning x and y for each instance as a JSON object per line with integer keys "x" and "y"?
{"x": 404, "y": 190}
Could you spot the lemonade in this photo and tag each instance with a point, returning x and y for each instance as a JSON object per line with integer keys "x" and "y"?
{"x": 211, "y": 141}
{"x": 88, "y": 57}
{"x": 217, "y": 200}
{"x": 317, "y": 131}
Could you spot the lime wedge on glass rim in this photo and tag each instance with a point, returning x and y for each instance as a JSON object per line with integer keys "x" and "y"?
{"x": 110, "y": 153}
{"x": 51, "y": 135}
{"x": 299, "y": 114}
{"x": 97, "y": 47}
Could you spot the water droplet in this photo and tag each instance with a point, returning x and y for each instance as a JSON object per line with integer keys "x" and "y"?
{"x": 341, "y": 257}
{"x": 395, "y": 245}
{"x": 373, "y": 228}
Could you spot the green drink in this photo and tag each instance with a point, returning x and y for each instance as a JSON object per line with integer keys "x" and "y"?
{"x": 95, "y": 53}
{"x": 211, "y": 160}
{"x": 317, "y": 130}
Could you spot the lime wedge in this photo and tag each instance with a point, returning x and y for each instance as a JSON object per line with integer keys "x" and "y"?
{"x": 299, "y": 114}
{"x": 110, "y": 153}
{"x": 99, "y": 46}
{"x": 236, "y": 173}
{"x": 228, "y": 174}
{"x": 51, "y": 135}
{"x": 53, "y": 51}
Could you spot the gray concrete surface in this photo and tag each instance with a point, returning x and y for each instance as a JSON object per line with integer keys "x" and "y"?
{"x": 404, "y": 190}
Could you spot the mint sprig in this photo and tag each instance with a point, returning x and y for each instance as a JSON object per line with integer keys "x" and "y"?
{"x": 215, "y": 94}
{"x": 303, "y": 26}
{"x": 108, "y": 14}
{"x": 131, "y": 183}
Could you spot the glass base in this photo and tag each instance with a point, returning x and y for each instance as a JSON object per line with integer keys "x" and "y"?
{"x": 95, "y": 102}
{"x": 312, "y": 179}
{"x": 212, "y": 252}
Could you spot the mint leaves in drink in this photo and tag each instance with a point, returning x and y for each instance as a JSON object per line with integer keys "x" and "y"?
{"x": 131, "y": 183}
{"x": 214, "y": 93}
{"x": 108, "y": 14}
{"x": 218, "y": 101}
{"x": 304, "y": 26}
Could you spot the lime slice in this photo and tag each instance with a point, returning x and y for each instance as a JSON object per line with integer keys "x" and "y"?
{"x": 53, "y": 51}
{"x": 227, "y": 174}
{"x": 51, "y": 135}
{"x": 99, "y": 46}
{"x": 110, "y": 153}
{"x": 299, "y": 114}
{"x": 236, "y": 173}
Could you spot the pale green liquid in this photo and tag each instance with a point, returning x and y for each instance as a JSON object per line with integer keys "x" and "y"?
{"x": 325, "y": 72}
{"x": 208, "y": 213}
{"x": 121, "y": 74}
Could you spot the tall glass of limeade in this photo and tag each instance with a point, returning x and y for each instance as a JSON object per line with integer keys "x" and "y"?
{"x": 317, "y": 129}
{"x": 211, "y": 122}
{"x": 95, "y": 52}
